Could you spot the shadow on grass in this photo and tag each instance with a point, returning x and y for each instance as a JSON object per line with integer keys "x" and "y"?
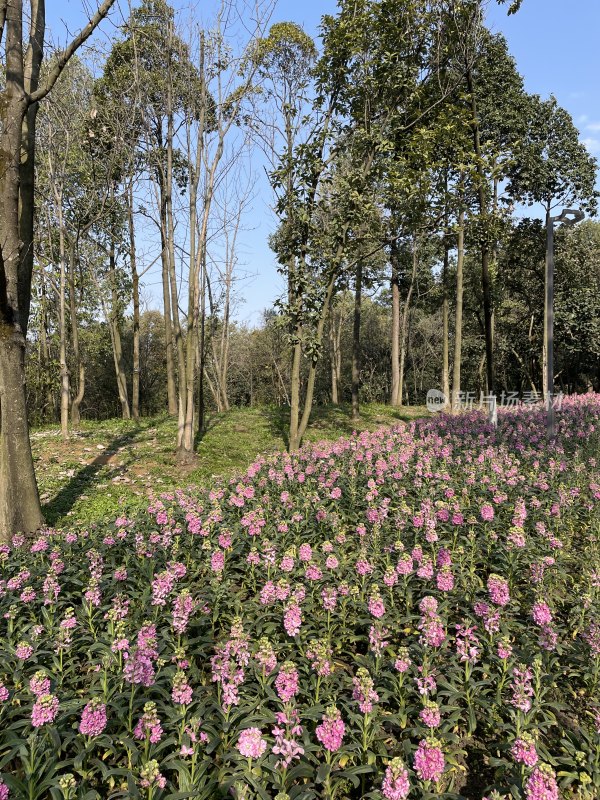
{"x": 85, "y": 478}
{"x": 211, "y": 421}
{"x": 278, "y": 422}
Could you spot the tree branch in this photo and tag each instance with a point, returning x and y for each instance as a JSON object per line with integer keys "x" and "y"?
{"x": 63, "y": 58}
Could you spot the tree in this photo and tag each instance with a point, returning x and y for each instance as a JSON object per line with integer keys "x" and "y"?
{"x": 552, "y": 167}
{"x": 22, "y": 92}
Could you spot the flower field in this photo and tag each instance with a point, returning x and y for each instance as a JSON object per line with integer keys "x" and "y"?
{"x": 413, "y": 612}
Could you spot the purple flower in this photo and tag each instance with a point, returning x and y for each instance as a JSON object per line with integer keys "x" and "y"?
{"x": 148, "y": 725}
{"x": 286, "y": 682}
{"x": 93, "y": 718}
{"x": 363, "y": 690}
{"x": 44, "y": 710}
{"x": 523, "y": 750}
{"x": 331, "y": 730}
{"x": 395, "y": 784}
{"x": 429, "y": 760}
{"x": 541, "y": 784}
{"x": 23, "y": 651}
{"x": 39, "y": 684}
{"x": 498, "y": 589}
{"x": 541, "y": 614}
{"x": 430, "y": 715}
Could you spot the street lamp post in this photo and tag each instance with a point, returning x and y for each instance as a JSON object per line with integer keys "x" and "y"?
{"x": 568, "y": 216}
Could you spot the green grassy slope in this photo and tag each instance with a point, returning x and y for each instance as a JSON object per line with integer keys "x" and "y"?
{"x": 108, "y": 467}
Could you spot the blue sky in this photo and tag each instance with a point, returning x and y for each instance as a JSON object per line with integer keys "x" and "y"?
{"x": 556, "y": 47}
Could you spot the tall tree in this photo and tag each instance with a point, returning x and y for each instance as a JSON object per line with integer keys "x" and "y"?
{"x": 552, "y": 167}
{"x": 21, "y": 94}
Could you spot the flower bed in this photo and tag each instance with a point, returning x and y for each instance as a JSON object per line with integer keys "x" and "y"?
{"x": 409, "y": 613}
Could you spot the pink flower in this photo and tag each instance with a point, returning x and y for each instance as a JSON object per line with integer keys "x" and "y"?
{"x": 487, "y": 512}
{"x": 286, "y": 731}
{"x": 445, "y": 580}
{"x": 93, "y": 718}
{"x": 329, "y": 596}
{"x": 498, "y": 589}
{"x": 429, "y": 760}
{"x": 521, "y": 688}
{"x": 430, "y": 715}
{"x": 39, "y": 684}
{"x": 23, "y": 651}
{"x": 504, "y": 649}
{"x": 331, "y": 730}
{"x": 182, "y": 691}
{"x": 523, "y": 751}
{"x": 363, "y": 690}
{"x": 286, "y": 681}
{"x": 217, "y": 561}
{"x": 251, "y": 744}
{"x": 151, "y": 776}
{"x": 4, "y": 694}
{"x": 266, "y": 656}
{"x": 541, "y": 784}
{"x": 377, "y": 641}
{"x": 541, "y": 614}
{"x": 403, "y": 662}
{"x": 305, "y": 552}
{"x": 376, "y": 606}
{"x": 148, "y": 725}
{"x": 4, "y": 791}
{"x": 44, "y": 710}
{"x": 292, "y": 619}
{"x": 395, "y": 784}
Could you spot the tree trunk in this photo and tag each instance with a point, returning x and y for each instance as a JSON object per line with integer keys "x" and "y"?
{"x": 486, "y": 284}
{"x": 65, "y": 390}
{"x": 335, "y": 336}
{"x": 115, "y": 336}
{"x": 312, "y": 372}
{"x": 78, "y": 361}
{"x": 445, "y": 334}
{"x": 404, "y": 327}
{"x": 19, "y": 500}
{"x": 294, "y": 434}
{"x": 396, "y": 398}
{"x": 135, "y": 287}
{"x": 356, "y": 341}
{"x": 20, "y": 509}
{"x": 459, "y": 310}
{"x": 49, "y": 404}
{"x": 170, "y": 362}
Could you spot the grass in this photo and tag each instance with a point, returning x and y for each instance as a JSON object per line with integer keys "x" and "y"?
{"x": 108, "y": 467}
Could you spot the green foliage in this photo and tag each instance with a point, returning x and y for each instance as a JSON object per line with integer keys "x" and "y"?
{"x": 551, "y": 166}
